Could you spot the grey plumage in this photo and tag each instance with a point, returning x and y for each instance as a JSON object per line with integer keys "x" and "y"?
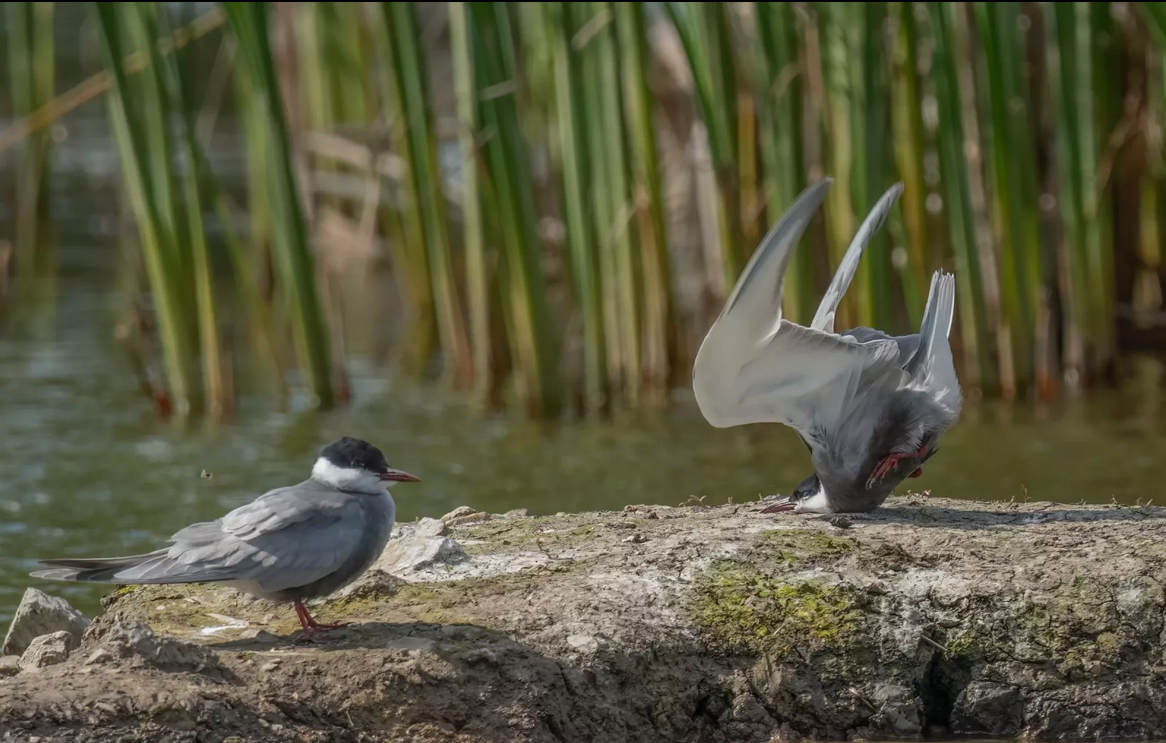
{"x": 290, "y": 544}
{"x": 870, "y": 407}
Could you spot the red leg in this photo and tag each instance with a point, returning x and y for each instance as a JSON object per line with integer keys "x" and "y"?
{"x": 311, "y": 626}
{"x": 888, "y": 463}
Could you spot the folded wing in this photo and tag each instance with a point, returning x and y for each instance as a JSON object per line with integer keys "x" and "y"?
{"x": 284, "y": 539}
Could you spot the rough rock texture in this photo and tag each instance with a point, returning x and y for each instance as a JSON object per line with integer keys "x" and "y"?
{"x": 47, "y": 650}
{"x": 659, "y": 624}
{"x": 41, "y": 614}
{"x": 9, "y": 665}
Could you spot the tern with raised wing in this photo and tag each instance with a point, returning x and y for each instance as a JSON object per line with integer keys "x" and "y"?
{"x": 869, "y": 406}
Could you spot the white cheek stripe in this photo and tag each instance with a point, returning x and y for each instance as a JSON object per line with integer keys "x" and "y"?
{"x": 816, "y": 503}
{"x": 346, "y": 478}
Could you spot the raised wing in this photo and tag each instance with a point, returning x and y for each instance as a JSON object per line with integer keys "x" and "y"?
{"x": 801, "y": 377}
{"x": 932, "y": 367}
{"x": 753, "y": 309}
{"x": 754, "y": 367}
{"x": 824, "y": 317}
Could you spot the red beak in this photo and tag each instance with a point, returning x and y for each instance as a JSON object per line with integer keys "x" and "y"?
{"x": 398, "y": 476}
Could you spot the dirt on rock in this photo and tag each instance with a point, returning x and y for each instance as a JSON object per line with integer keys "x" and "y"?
{"x": 657, "y": 624}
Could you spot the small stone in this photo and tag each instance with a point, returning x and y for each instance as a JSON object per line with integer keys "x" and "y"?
{"x": 376, "y": 582}
{"x": 841, "y": 522}
{"x": 47, "y": 650}
{"x": 416, "y": 553}
{"x": 9, "y": 665}
{"x": 429, "y": 528}
{"x": 258, "y": 635}
{"x": 40, "y": 614}
{"x": 137, "y": 640}
{"x": 636, "y": 538}
{"x": 458, "y": 513}
{"x": 583, "y": 643}
{"x": 473, "y": 518}
{"x": 481, "y": 655}
{"x": 985, "y": 708}
{"x": 652, "y": 515}
{"x": 411, "y": 643}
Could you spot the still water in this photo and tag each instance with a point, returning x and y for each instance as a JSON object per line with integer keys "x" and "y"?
{"x": 86, "y": 468}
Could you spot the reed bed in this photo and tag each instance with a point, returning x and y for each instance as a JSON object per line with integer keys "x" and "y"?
{"x": 561, "y": 266}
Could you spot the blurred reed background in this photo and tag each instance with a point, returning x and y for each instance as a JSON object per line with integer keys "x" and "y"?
{"x": 564, "y": 193}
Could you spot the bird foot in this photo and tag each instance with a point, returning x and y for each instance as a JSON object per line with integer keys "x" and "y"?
{"x": 888, "y": 463}
{"x": 315, "y": 636}
{"x": 318, "y": 625}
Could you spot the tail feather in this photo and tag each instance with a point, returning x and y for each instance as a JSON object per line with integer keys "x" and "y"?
{"x": 936, "y": 325}
{"x": 94, "y": 569}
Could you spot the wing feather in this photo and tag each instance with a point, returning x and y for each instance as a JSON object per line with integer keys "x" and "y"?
{"x": 280, "y": 540}
{"x": 828, "y": 307}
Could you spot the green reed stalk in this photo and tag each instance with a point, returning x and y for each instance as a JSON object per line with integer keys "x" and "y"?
{"x": 462, "y": 37}
{"x": 148, "y": 199}
{"x": 1013, "y": 172}
{"x": 838, "y": 151}
{"x": 251, "y": 120}
{"x": 1107, "y": 109}
{"x": 907, "y": 120}
{"x": 509, "y": 171}
{"x": 703, "y": 30}
{"x": 1069, "y": 59}
{"x": 615, "y": 236}
{"x": 177, "y": 77}
{"x": 870, "y": 123}
{"x": 409, "y": 72}
{"x": 602, "y": 206}
{"x": 246, "y": 281}
{"x": 31, "y": 73}
{"x": 315, "y": 82}
{"x": 404, "y": 224}
{"x": 648, "y": 200}
{"x": 573, "y": 140}
{"x": 953, "y": 165}
{"x": 780, "y": 91}
{"x": 248, "y": 21}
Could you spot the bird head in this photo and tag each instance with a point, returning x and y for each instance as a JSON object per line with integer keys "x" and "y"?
{"x": 355, "y": 465}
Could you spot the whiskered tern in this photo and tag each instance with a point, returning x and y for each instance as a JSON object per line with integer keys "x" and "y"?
{"x": 289, "y": 544}
{"x": 869, "y": 406}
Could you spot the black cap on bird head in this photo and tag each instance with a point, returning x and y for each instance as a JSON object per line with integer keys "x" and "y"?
{"x": 353, "y": 453}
